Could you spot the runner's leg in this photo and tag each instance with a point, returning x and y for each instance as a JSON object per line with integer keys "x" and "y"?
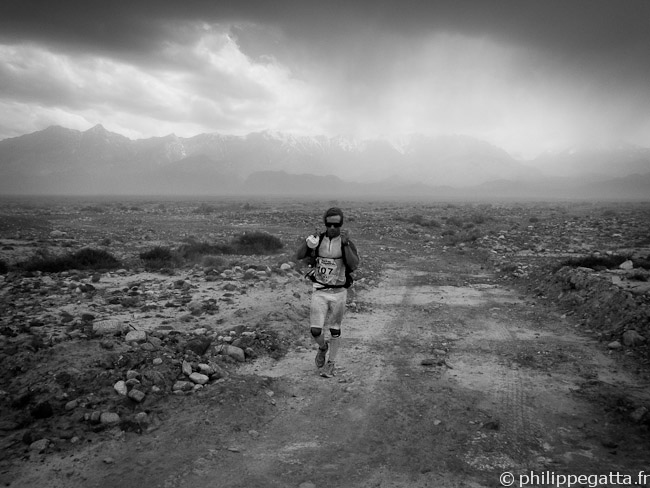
{"x": 337, "y": 310}
{"x": 318, "y": 312}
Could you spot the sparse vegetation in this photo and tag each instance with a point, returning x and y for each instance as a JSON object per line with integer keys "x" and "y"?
{"x": 194, "y": 251}
{"x": 247, "y": 243}
{"x": 158, "y": 257}
{"x": 84, "y": 259}
{"x": 422, "y": 221}
{"x": 596, "y": 262}
{"x": 454, "y": 238}
{"x": 257, "y": 243}
{"x": 213, "y": 262}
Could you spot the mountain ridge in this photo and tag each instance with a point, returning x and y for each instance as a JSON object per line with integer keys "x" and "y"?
{"x": 58, "y": 160}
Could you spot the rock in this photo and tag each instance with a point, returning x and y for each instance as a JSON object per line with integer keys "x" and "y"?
{"x": 217, "y": 372}
{"x": 285, "y": 266}
{"x": 199, "y": 345}
{"x": 71, "y": 405}
{"x": 109, "y": 418}
{"x": 234, "y": 352}
{"x": 614, "y": 345}
{"x": 199, "y": 379}
{"x": 39, "y": 445}
{"x": 183, "y": 386}
{"x": 132, "y": 374}
{"x": 108, "y": 327}
{"x": 120, "y": 388}
{"x": 141, "y": 418}
{"x": 626, "y": 265}
{"x": 195, "y": 308}
{"x": 186, "y": 368}
{"x": 632, "y": 338}
{"x": 136, "y": 395}
{"x": 136, "y": 336}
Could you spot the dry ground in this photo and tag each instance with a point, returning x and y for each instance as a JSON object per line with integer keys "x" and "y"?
{"x": 448, "y": 376}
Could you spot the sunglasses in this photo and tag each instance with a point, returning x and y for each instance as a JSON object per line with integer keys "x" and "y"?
{"x": 336, "y": 225}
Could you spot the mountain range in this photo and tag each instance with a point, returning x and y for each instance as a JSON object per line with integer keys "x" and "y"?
{"x": 61, "y": 161}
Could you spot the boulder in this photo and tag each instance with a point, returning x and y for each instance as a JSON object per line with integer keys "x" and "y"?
{"x": 108, "y": 327}
{"x": 632, "y": 338}
{"x": 199, "y": 379}
{"x": 136, "y": 336}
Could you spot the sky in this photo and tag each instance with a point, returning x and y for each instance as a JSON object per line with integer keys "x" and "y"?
{"x": 527, "y": 76}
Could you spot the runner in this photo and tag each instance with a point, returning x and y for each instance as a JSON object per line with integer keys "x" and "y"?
{"x": 333, "y": 257}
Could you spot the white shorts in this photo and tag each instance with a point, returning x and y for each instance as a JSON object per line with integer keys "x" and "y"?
{"x": 328, "y": 307}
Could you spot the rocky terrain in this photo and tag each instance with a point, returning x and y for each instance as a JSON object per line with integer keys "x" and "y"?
{"x": 92, "y": 355}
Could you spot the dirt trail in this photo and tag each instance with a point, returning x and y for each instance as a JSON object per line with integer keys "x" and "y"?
{"x": 448, "y": 379}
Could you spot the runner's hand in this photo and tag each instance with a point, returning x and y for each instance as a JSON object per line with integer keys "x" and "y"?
{"x": 344, "y": 236}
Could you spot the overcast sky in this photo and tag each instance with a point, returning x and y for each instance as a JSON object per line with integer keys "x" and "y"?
{"x": 525, "y": 75}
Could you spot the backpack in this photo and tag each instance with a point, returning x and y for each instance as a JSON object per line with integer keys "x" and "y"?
{"x": 311, "y": 261}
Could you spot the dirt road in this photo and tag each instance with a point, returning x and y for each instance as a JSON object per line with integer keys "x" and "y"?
{"x": 447, "y": 379}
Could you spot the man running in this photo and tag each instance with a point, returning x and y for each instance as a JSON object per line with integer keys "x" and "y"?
{"x": 334, "y": 257}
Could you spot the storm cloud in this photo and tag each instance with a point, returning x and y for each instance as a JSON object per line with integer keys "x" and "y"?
{"x": 527, "y": 76}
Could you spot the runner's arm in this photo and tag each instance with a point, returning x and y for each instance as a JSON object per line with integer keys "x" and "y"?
{"x": 351, "y": 255}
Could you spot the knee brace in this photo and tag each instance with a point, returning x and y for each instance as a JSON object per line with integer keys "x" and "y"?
{"x": 316, "y": 331}
{"x": 335, "y": 332}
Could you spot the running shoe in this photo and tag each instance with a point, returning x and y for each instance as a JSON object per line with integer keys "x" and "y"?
{"x": 328, "y": 370}
{"x": 320, "y": 356}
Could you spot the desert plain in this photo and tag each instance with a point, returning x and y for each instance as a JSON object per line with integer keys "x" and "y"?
{"x": 142, "y": 345}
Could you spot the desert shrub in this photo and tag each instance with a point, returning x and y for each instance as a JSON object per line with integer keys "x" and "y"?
{"x": 508, "y": 268}
{"x": 213, "y": 262}
{"x": 533, "y": 220}
{"x": 158, "y": 257}
{"x": 84, "y": 259}
{"x": 422, "y": 221}
{"x": 638, "y": 276}
{"x": 89, "y": 258}
{"x": 595, "y": 262}
{"x": 195, "y": 250}
{"x": 256, "y": 243}
{"x": 4, "y": 268}
{"x": 642, "y": 262}
{"x": 455, "y": 238}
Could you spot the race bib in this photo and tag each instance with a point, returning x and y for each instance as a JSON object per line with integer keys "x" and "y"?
{"x": 328, "y": 270}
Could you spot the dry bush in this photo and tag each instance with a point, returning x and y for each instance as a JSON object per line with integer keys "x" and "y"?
{"x": 84, "y": 259}
{"x": 159, "y": 257}
{"x": 595, "y": 262}
{"x": 257, "y": 243}
{"x": 194, "y": 251}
